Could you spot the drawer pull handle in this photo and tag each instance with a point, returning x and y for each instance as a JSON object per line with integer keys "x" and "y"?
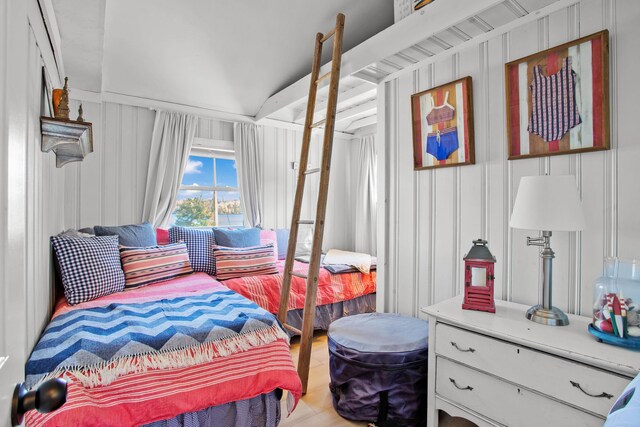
{"x": 468, "y": 350}
{"x": 603, "y": 394}
{"x": 458, "y": 387}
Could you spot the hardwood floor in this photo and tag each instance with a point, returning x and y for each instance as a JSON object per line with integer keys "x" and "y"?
{"x": 315, "y": 409}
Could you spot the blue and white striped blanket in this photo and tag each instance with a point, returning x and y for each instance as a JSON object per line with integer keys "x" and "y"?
{"x": 99, "y": 344}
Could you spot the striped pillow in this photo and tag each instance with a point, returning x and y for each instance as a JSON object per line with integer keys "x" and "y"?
{"x": 240, "y": 262}
{"x": 143, "y": 266}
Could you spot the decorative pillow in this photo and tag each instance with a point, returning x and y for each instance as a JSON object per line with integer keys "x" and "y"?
{"x": 269, "y": 236}
{"x": 237, "y": 238}
{"x": 240, "y": 262}
{"x": 143, "y": 266}
{"x": 89, "y": 267}
{"x": 199, "y": 243}
{"x": 78, "y": 233}
{"x": 162, "y": 236}
{"x": 134, "y": 235}
{"x": 283, "y": 242}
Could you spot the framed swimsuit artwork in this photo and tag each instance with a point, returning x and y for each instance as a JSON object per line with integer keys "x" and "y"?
{"x": 558, "y": 99}
{"x": 442, "y": 121}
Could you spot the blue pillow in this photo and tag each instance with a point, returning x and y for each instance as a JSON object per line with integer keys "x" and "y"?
{"x": 134, "y": 235}
{"x": 89, "y": 267}
{"x": 199, "y": 247}
{"x": 239, "y": 238}
{"x": 283, "y": 242}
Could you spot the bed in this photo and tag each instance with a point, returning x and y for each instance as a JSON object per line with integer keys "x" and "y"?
{"x": 180, "y": 352}
{"x": 339, "y": 295}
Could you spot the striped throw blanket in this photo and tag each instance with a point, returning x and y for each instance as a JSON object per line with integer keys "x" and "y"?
{"x": 153, "y": 333}
{"x": 265, "y": 289}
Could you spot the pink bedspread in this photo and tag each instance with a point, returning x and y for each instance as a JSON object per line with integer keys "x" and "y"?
{"x": 157, "y": 394}
{"x": 265, "y": 290}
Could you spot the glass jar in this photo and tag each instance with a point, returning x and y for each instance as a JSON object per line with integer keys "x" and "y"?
{"x": 620, "y": 281}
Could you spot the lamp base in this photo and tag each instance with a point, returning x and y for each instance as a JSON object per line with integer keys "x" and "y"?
{"x": 552, "y": 317}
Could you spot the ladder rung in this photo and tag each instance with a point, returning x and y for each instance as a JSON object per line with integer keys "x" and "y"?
{"x": 300, "y": 275}
{"x": 328, "y": 35}
{"x": 320, "y": 123}
{"x": 310, "y": 171}
{"x": 306, "y": 221}
{"x": 323, "y": 77}
{"x": 292, "y": 329}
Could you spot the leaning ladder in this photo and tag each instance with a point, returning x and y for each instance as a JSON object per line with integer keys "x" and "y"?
{"x": 328, "y": 123}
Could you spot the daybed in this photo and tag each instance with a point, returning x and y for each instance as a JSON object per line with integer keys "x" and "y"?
{"x": 177, "y": 347}
{"x": 163, "y": 351}
{"x": 339, "y": 294}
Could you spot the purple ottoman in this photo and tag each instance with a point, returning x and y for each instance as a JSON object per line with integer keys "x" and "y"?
{"x": 378, "y": 368}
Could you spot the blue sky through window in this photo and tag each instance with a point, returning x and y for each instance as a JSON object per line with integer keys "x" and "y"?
{"x": 226, "y": 175}
{"x": 199, "y": 171}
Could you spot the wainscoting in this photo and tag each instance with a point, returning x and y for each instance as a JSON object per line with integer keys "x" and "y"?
{"x": 430, "y": 218}
{"x": 31, "y": 191}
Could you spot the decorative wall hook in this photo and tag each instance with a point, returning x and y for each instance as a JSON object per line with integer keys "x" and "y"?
{"x": 48, "y": 397}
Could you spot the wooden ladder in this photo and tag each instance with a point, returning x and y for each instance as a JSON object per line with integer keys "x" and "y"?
{"x": 311, "y": 277}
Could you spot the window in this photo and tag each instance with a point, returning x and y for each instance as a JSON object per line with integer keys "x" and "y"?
{"x": 208, "y": 194}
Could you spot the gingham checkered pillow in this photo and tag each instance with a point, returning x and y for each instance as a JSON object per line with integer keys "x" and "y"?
{"x": 89, "y": 267}
{"x": 199, "y": 244}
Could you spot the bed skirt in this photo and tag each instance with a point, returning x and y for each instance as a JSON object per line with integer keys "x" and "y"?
{"x": 262, "y": 410}
{"x": 326, "y": 314}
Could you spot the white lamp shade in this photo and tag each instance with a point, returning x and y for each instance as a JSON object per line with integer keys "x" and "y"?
{"x": 548, "y": 203}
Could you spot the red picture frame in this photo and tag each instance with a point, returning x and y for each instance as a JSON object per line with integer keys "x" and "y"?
{"x": 545, "y": 78}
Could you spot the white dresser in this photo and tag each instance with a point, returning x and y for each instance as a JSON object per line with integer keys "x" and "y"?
{"x": 502, "y": 369}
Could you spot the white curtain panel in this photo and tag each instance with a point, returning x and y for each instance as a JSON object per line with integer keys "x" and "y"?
{"x": 246, "y": 141}
{"x": 366, "y": 196}
{"x": 171, "y": 142}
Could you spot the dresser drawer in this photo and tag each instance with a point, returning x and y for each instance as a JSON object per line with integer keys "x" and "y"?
{"x": 504, "y": 402}
{"x": 586, "y": 387}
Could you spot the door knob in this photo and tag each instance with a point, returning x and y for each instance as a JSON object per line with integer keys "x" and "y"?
{"x": 48, "y": 397}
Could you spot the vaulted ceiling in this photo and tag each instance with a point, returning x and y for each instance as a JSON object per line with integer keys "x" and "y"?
{"x": 221, "y": 55}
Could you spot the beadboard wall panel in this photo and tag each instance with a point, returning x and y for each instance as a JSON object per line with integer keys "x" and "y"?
{"x": 108, "y": 186}
{"x": 432, "y": 216}
{"x": 281, "y": 148}
{"x": 32, "y": 190}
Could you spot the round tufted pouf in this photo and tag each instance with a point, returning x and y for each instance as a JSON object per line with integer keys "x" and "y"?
{"x": 378, "y": 368}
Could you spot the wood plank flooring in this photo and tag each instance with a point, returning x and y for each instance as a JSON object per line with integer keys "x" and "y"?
{"x": 315, "y": 409}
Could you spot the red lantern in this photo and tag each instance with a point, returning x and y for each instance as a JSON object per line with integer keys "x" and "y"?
{"x": 478, "y": 278}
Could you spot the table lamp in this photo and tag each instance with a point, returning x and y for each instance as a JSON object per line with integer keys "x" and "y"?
{"x": 547, "y": 203}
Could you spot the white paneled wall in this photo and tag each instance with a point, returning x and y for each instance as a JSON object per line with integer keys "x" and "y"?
{"x": 431, "y": 217}
{"x": 32, "y": 191}
{"x": 280, "y": 149}
{"x": 108, "y": 186}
